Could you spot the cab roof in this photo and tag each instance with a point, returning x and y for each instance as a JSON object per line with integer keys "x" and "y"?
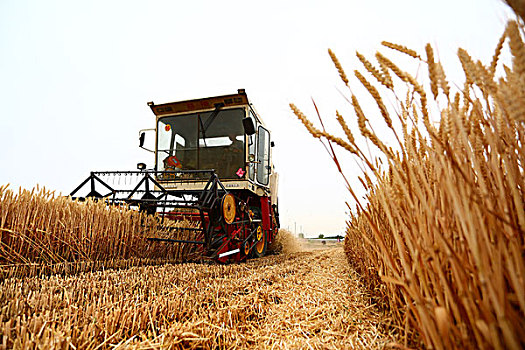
{"x": 240, "y": 98}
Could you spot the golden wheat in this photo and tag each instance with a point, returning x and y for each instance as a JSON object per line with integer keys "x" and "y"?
{"x": 401, "y": 48}
{"x": 440, "y": 235}
{"x": 382, "y": 77}
{"x": 338, "y": 66}
{"x": 377, "y": 97}
{"x": 42, "y": 232}
{"x": 432, "y": 70}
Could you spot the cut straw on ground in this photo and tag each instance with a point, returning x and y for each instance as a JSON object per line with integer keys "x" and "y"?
{"x": 289, "y": 301}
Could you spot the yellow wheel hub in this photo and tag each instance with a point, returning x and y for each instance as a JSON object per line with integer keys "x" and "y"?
{"x": 259, "y": 233}
{"x": 228, "y": 208}
{"x": 246, "y": 248}
{"x": 260, "y": 245}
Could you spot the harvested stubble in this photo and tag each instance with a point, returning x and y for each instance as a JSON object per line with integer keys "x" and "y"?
{"x": 305, "y": 300}
{"x": 44, "y": 233}
{"x": 440, "y": 236}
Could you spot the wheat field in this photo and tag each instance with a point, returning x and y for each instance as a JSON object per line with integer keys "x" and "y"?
{"x": 434, "y": 254}
{"x": 81, "y": 275}
{"x": 42, "y": 232}
{"x": 440, "y": 234}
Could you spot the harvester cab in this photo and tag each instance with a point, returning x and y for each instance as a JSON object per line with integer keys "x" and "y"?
{"x": 213, "y": 168}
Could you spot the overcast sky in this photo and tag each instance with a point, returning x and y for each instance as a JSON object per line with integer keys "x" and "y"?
{"x": 75, "y": 77}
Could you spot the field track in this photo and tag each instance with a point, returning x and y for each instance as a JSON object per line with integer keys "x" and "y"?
{"x": 303, "y": 300}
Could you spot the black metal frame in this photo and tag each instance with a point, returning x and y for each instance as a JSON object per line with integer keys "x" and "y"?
{"x": 155, "y": 198}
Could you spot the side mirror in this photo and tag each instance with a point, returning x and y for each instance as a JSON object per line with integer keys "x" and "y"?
{"x": 142, "y": 139}
{"x": 249, "y": 127}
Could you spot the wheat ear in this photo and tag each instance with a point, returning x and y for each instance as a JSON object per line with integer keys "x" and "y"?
{"x": 377, "y": 97}
{"x": 338, "y": 66}
{"x": 432, "y": 70}
{"x": 497, "y": 53}
{"x": 345, "y": 127}
{"x": 307, "y": 123}
{"x": 401, "y": 48}
{"x": 385, "y": 80}
{"x": 517, "y": 48}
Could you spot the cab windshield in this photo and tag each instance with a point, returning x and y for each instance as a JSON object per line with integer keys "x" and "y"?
{"x": 203, "y": 141}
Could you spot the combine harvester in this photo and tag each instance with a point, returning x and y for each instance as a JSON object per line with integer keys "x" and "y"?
{"x": 213, "y": 166}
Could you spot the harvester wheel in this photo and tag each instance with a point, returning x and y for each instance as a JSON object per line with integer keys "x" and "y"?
{"x": 228, "y": 208}
{"x": 261, "y": 245}
{"x": 246, "y": 248}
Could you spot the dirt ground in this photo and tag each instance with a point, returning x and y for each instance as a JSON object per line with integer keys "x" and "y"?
{"x": 309, "y": 300}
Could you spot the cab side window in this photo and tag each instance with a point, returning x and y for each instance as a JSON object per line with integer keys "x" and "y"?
{"x": 252, "y": 144}
{"x": 263, "y": 156}
{"x": 251, "y": 151}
